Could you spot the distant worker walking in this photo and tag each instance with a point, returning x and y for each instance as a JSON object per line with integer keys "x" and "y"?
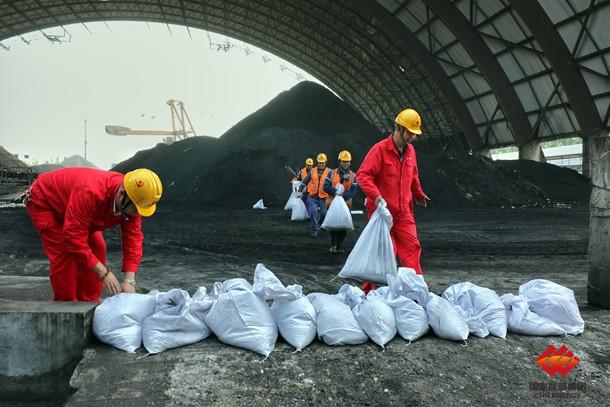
{"x": 70, "y": 208}
{"x": 316, "y": 202}
{"x": 389, "y": 174}
{"x": 347, "y": 179}
{"x": 304, "y": 172}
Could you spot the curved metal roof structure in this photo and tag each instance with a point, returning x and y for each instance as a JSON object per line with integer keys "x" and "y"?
{"x": 483, "y": 74}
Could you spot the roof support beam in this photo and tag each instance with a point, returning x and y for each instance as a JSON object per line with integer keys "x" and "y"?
{"x": 560, "y": 58}
{"x": 409, "y": 44}
{"x": 488, "y": 65}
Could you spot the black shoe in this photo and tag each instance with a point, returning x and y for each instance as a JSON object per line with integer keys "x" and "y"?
{"x": 337, "y": 250}
{"x": 314, "y": 234}
{"x": 333, "y": 249}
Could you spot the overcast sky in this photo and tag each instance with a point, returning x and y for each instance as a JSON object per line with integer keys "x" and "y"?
{"x": 123, "y": 76}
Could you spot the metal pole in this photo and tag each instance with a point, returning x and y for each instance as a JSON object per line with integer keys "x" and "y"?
{"x": 598, "y": 286}
{"x": 85, "y": 139}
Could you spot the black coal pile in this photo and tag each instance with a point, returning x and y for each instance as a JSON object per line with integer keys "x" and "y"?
{"x": 247, "y": 162}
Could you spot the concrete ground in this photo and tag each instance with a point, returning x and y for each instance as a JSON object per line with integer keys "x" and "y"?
{"x": 499, "y": 249}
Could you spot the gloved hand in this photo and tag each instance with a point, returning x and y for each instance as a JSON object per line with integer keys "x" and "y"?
{"x": 339, "y": 190}
{"x": 379, "y": 201}
{"x": 299, "y": 194}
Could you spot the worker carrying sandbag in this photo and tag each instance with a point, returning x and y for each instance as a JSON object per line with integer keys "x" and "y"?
{"x": 316, "y": 200}
{"x": 389, "y": 174}
{"x": 372, "y": 257}
{"x": 70, "y": 207}
{"x": 342, "y": 185}
{"x": 304, "y": 172}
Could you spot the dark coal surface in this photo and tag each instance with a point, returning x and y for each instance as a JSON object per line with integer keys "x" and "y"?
{"x": 246, "y": 163}
{"x": 190, "y": 246}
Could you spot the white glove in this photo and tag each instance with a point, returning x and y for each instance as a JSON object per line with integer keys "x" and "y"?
{"x": 340, "y": 190}
{"x": 381, "y": 202}
{"x": 299, "y": 194}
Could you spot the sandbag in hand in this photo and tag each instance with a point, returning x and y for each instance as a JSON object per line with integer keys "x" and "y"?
{"x": 339, "y": 190}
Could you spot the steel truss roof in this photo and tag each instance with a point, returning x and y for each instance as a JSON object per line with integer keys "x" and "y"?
{"x": 483, "y": 73}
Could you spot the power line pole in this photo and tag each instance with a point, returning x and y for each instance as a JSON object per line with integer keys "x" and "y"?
{"x": 85, "y": 139}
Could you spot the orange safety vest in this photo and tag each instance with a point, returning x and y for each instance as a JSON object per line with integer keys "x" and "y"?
{"x": 303, "y": 173}
{"x": 334, "y": 178}
{"x": 316, "y": 185}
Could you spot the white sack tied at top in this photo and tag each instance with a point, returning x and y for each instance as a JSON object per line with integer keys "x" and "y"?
{"x": 338, "y": 216}
{"x": 294, "y": 314}
{"x": 299, "y": 211}
{"x": 373, "y": 315}
{"x": 554, "y": 302}
{"x": 117, "y": 321}
{"x": 178, "y": 320}
{"x": 372, "y": 257}
{"x": 335, "y": 321}
{"x": 240, "y": 318}
{"x": 481, "y": 307}
{"x": 411, "y": 318}
{"x": 523, "y": 321}
{"x": 445, "y": 320}
{"x": 293, "y": 195}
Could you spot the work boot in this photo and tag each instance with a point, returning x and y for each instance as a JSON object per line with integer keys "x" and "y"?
{"x": 314, "y": 233}
{"x": 333, "y": 249}
{"x": 339, "y": 250}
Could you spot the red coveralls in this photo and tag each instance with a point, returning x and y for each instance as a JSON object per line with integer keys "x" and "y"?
{"x": 384, "y": 173}
{"x": 69, "y": 208}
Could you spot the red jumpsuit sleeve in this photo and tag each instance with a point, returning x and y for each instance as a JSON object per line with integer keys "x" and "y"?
{"x": 80, "y": 212}
{"x": 368, "y": 171}
{"x": 415, "y": 184}
{"x": 131, "y": 241}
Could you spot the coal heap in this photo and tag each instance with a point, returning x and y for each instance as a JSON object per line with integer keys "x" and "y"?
{"x": 247, "y": 162}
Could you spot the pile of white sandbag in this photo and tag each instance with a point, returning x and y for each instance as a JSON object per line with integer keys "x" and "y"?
{"x": 250, "y": 316}
{"x": 543, "y": 308}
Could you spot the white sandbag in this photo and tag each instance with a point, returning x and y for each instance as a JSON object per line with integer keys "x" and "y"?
{"x": 554, "y": 302}
{"x": 445, "y": 320}
{"x": 481, "y": 307}
{"x": 177, "y": 320}
{"x": 378, "y": 292}
{"x": 523, "y": 321}
{"x": 259, "y": 205}
{"x": 293, "y": 195}
{"x": 335, "y": 321}
{"x": 240, "y": 318}
{"x": 117, "y": 320}
{"x": 338, "y": 216}
{"x": 372, "y": 257}
{"x": 372, "y": 313}
{"x": 292, "y": 311}
{"x": 411, "y": 318}
{"x": 299, "y": 211}
{"x": 410, "y": 284}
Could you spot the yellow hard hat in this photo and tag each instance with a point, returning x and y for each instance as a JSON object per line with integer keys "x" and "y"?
{"x": 144, "y": 189}
{"x": 345, "y": 156}
{"x": 321, "y": 158}
{"x": 309, "y": 161}
{"x": 409, "y": 119}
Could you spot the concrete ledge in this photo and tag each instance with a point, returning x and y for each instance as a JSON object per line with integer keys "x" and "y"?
{"x": 25, "y": 288}
{"x": 40, "y": 341}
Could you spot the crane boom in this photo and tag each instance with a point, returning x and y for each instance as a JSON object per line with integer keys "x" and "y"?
{"x": 126, "y": 131}
{"x": 179, "y": 115}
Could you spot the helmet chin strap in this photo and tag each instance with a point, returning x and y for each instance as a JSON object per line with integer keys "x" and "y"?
{"x": 125, "y": 200}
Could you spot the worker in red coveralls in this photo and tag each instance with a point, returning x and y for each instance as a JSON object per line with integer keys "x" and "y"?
{"x": 389, "y": 174}
{"x": 70, "y": 208}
